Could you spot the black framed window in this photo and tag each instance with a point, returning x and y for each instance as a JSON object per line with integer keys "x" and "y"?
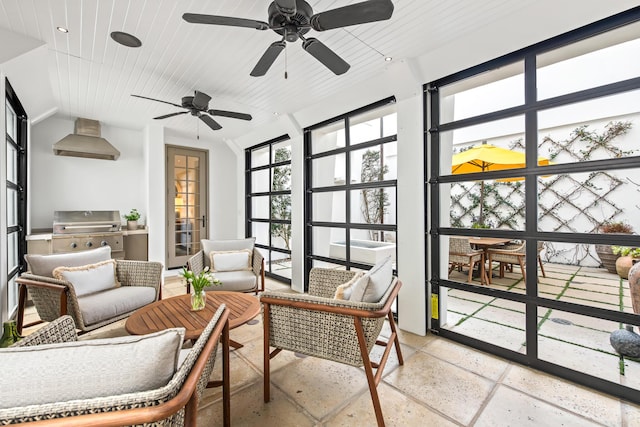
{"x": 16, "y": 199}
{"x": 569, "y": 109}
{"x": 268, "y": 203}
{"x": 350, "y": 179}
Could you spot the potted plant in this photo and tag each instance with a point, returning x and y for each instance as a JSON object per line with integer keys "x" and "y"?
{"x": 132, "y": 219}
{"x": 627, "y": 258}
{"x": 607, "y": 257}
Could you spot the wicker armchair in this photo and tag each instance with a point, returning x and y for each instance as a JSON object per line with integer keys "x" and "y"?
{"x": 54, "y": 298}
{"x": 462, "y": 255}
{"x": 318, "y": 325}
{"x": 241, "y": 280}
{"x": 174, "y": 404}
{"x": 513, "y": 253}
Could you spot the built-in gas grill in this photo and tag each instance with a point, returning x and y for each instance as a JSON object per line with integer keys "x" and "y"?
{"x": 75, "y": 231}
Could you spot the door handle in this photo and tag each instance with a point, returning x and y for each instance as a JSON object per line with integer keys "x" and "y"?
{"x": 204, "y": 221}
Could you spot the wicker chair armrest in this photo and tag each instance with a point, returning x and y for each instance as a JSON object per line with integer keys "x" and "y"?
{"x": 63, "y": 329}
{"x": 139, "y": 273}
{"x": 42, "y": 281}
{"x": 258, "y": 262}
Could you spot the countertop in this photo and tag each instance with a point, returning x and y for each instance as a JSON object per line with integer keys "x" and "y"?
{"x": 44, "y": 234}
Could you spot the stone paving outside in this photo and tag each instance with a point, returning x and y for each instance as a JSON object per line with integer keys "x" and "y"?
{"x": 567, "y": 339}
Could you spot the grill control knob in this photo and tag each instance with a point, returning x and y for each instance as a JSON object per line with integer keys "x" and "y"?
{"x": 89, "y": 244}
{"x": 103, "y": 243}
{"x": 73, "y": 245}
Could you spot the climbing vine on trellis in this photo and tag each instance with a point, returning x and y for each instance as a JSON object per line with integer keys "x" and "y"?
{"x": 564, "y": 200}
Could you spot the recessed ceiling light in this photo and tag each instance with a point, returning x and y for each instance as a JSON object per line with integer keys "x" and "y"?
{"x": 62, "y": 29}
{"x": 388, "y": 58}
{"x": 126, "y": 39}
{"x": 275, "y": 113}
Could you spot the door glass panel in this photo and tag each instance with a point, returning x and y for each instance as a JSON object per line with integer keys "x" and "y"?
{"x": 373, "y": 205}
{"x": 12, "y": 164}
{"x": 260, "y": 207}
{"x": 12, "y": 207}
{"x": 374, "y": 163}
{"x": 260, "y": 230}
{"x": 12, "y": 251}
{"x": 328, "y": 242}
{"x": 188, "y": 168}
{"x": 281, "y": 264}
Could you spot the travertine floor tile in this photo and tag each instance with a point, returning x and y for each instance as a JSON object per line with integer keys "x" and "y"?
{"x": 484, "y": 364}
{"x": 580, "y": 400}
{"x": 320, "y": 386}
{"x": 509, "y": 407}
{"x": 249, "y": 409}
{"x": 397, "y": 410}
{"x": 453, "y": 391}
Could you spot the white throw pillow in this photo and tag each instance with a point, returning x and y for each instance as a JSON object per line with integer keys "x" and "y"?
{"x": 230, "y": 260}
{"x": 87, "y": 279}
{"x": 344, "y": 291}
{"x": 43, "y": 265}
{"x": 225, "y": 245}
{"x": 86, "y": 369}
{"x": 372, "y": 286}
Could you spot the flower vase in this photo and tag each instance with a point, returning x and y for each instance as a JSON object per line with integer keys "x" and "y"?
{"x": 9, "y": 334}
{"x": 198, "y": 299}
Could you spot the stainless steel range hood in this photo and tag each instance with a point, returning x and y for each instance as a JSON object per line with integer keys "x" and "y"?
{"x": 86, "y": 142}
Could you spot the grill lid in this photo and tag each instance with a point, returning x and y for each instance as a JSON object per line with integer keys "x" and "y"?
{"x": 70, "y": 222}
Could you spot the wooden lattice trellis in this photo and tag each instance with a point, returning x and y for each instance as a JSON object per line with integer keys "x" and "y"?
{"x": 564, "y": 200}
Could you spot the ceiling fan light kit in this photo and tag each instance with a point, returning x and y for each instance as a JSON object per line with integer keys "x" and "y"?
{"x": 292, "y": 19}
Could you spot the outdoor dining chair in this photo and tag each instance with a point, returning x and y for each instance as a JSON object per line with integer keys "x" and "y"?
{"x": 462, "y": 255}
{"x": 513, "y": 253}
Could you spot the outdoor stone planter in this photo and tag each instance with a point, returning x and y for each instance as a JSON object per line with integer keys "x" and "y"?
{"x": 634, "y": 287}
{"x": 607, "y": 257}
{"x": 624, "y": 264}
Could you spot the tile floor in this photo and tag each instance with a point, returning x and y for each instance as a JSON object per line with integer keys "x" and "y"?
{"x": 441, "y": 383}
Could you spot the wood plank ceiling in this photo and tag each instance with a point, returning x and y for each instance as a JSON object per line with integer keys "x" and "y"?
{"x": 92, "y": 76}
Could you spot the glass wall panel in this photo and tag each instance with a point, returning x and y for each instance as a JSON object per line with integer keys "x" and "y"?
{"x": 259, "y": 156}
{"x": 281, "y": 177}
{"x": 260, "y": 230}
{"x": 601, "y": 128}
{"x": 328, "y": 170}
{"x": 373, "y": 206}
{"x": 12, "y": 251}
{"x": 602, "y": 201}
{"x": 496, "y": 145}
{"x": 370, "y": 165}
{"x": 281, "y": 206}
{"x": 260, "y": 181}
{"x": 497, "y": 321}
{"x": 281, "y": 151}
{"x": 612, "y": 54}
{"x": 328, "y": 138}
{"x": 329, "y": 206}
{"x": 260, "y": 207}
{"x": 484, "y": 204}
{"x": 485, "y": 93}
{"x": 326, "y": 240}
{"x": 280, "y": 264}
{"x": 582, "y": 343}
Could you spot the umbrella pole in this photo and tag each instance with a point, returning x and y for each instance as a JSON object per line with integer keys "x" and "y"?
{"x": 481, "y": 220}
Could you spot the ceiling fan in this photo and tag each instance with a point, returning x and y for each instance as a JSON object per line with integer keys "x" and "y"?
{"x": 294, "y": 18}
{"x": 198, "y": 105}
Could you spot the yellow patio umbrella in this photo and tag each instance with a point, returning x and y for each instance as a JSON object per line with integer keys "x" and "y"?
{"x": 486, "y": 157}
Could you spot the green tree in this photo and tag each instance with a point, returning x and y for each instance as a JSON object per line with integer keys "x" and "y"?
{"x": 281, "y": 204}
{"x": 374, "y": 200}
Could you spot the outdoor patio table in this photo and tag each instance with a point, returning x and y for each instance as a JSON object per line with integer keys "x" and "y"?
{"x": 485, "y": 243}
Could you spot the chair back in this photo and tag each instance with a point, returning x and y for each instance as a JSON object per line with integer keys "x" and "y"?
{"x": 459, "y": 246}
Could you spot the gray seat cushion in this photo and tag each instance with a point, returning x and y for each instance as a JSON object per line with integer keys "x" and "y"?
{"x": 108, "y": 304}
{"x": 235, "y": 281}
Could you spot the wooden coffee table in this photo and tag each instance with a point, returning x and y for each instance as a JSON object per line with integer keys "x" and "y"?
{"x": 175, "y": 312}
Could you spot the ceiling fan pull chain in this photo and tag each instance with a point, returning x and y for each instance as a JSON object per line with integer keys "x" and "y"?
{"x": 285, "y": 62}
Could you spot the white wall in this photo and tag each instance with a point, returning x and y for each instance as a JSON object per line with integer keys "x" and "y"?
{"x": 72, "y": 183}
